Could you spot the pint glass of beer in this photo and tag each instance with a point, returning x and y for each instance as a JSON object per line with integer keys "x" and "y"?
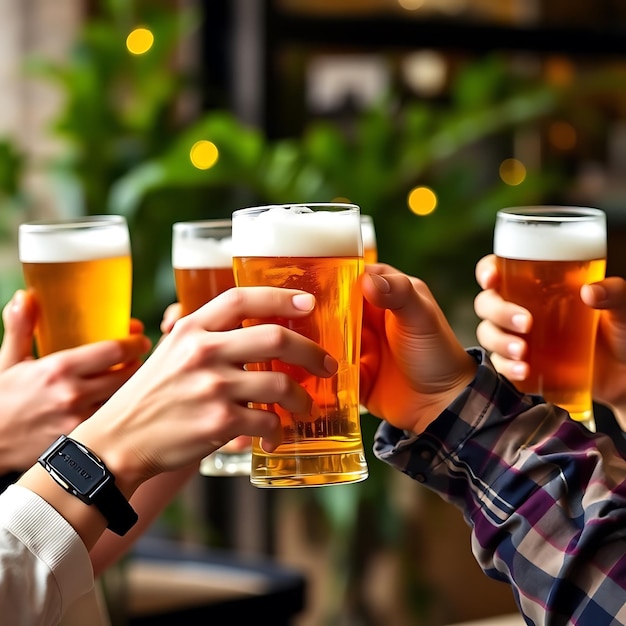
{"x": 80, "y": 272}
{"x": 202, "y": 261}
{"x": 203, "y": 268}
{"x": 544, "y": 255}
{"x": 370, "y": 249}
{"x": 317, "y": 248}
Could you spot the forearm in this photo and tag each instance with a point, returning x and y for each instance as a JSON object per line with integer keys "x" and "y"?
{"x": 118, "y": 455}
{"x": 148, "y": 501}
{"x": 86, "y": 519}
{"x": 546, "y": 501}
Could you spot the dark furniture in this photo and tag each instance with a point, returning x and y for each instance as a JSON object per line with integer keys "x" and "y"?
{"x": 174, "y": 583}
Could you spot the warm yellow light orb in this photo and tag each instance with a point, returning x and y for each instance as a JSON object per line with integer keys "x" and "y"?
{"x": 139, "y": 41}
{"x": 422, "y": 200}
{"x": 204, "y": 154}
{"x": 411, "y": 5}
{"x": 512, "y": 172}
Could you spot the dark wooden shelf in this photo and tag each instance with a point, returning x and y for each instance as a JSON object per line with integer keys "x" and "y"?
{"x": 393, "y": 32}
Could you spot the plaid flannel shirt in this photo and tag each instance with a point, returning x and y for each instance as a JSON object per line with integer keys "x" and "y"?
{"x": 545, "y": 498}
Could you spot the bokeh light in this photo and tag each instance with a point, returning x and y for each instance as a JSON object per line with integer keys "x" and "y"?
{"x": 422, "y": 200}
{"x": 411, "y": 5}
{"x": 562, "y": 135}
{"x": 512, "y": 172}
{"x": 204, "y": 154}
{"x": 559, "y": 71}
{"x": 425, "y": 72}
{"x": 139, "y": 41}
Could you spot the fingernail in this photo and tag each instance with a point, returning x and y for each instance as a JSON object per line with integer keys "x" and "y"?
{"x": 380, "y": 283}
{"x": 515, "y": 349}
{"x": 518, "y": 371}
{"x": 599, "y": 293}
{"x": 520, "y": 321}
{"x": 483, "y": 278}
{"x": 330, "y": 364}
{"x": 303, "y": 301}
{"x": 267, "y": 446}
{"x": 18, "y": 300}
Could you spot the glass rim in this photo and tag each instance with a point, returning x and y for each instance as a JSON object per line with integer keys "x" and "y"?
{"x": 206, "y": 223}
{"x": 550, "y": 213}
{"x": 85, "y": 221}
{"x": 345, "y": 206}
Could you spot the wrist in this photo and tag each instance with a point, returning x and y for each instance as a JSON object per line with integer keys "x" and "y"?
{"x": 79, "y": 471}
{"x": 86, "y": 520}
{"x": 104, "y": 434}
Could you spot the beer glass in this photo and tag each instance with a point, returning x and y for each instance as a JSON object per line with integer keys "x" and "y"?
{"x": 80, "y": 272}
{"x": 370, "y": 254}
{"x": 203, "y": 268}
{"x": 368, "y": 232}
{"x": 544, "y": 255}
{"x": 317, "y": 248}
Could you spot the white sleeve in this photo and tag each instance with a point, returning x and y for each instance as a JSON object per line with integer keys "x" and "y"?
{"x": 44, "y": 565}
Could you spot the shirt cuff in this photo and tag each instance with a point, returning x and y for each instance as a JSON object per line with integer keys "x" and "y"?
{"x": 49, "y": 536}
{"x": 414, "y": 454}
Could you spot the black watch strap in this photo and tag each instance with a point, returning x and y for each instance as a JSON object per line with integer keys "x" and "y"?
{"x": 80, "y": 472}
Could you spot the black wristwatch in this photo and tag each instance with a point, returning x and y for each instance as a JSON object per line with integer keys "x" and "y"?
{"x": 79, "y": 471}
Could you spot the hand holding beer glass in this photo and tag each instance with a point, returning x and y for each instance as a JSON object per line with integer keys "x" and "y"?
{"x": 544, "y": 255}
{"x": 80, "y": 272}
{"x": 317, "y": 248}
{"x": 203, "y": 268}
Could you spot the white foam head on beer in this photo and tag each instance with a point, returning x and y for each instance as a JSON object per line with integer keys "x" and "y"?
{"x": 368, "y": 232}
{"x": 550, "y": 240}
{"x": 202, "y": 252}
{"x": 63, "y": 244}
{"x": 297, "y": 231}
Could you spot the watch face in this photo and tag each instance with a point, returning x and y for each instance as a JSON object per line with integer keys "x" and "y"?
{"x": 75, "y": 467}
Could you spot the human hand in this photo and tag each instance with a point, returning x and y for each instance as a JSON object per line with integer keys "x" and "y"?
{"x": 191, "y": 395}
{"x": 170, "y": 316}
{"x": 412, "y": 365}
{"x": 609, "y": 295}
{"x": 43, "y": 398}
{"x": 500, "y": 320}
{"x": 501, "y": 324}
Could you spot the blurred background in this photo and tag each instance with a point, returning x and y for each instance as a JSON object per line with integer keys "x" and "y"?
{"x": 429, "y": 114}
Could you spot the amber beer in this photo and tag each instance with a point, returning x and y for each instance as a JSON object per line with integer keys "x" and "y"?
{"x": 202, "y": 261}
{"x": 319, "y": 249}
{"x": 544, "y": 256}
{"x": 368, "y": 232}
{"x": 80, "y": 272}
{"x": 203, "y": 268}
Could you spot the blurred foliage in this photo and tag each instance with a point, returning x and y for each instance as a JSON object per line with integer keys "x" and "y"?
{"x": 128, "y": 152}
{"x": 385, "y": 152}
{"x": 128, "y": 146}
{"x": 121, "y": 110}
{"x": 12, "y": 207}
